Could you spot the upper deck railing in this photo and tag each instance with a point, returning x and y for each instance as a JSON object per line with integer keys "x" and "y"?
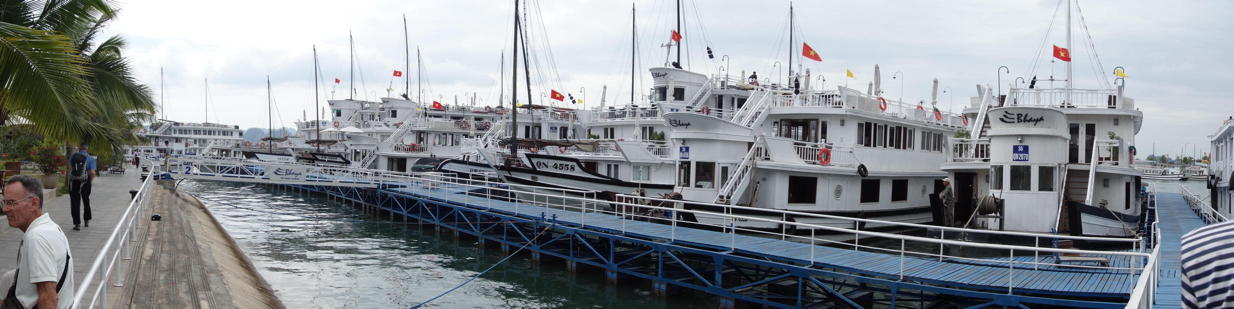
{"x": 1067, "y": 98}
{"x": 968, "y": 150}
{"x": 1202, "y": 208}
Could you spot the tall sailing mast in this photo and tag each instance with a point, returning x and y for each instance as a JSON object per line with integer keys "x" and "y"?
{"x": 269, "y": 116}
{"x": 406, "y": 60}
{"x": 316, "y": 101}
{"x": 790, "y": 43}
{"x": 1070, "y": 85}
{"x": 514, "y": 88}
{"x": 680, "y": 31}
{"x": 162, "y": 91}
{"x": 633, "y": 49}
{"x": 351, "y": 66}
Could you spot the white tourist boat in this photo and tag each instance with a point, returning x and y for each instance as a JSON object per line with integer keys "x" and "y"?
{"x": 1044, "y": 159}
{"x": 1221, "y": 168}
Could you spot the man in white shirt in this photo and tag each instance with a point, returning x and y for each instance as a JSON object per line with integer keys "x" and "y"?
{"x": 44, "y": 272}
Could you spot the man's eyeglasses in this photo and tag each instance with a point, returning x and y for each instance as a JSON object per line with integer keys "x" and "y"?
{"x": 11, "y": 203}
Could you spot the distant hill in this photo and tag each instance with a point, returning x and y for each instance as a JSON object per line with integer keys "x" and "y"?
{"x": 256, "y": 134}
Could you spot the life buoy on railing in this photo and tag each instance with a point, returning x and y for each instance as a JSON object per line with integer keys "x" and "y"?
{"x": 336, "y": 123}
{"x": 862, "y": 171}
{"x": 882, "y": 104}
{"x": 824, "y": 156}
{"x": 706, "y": 110}
{"x": 561, "y": 149}
{"x": 964, "y": 119}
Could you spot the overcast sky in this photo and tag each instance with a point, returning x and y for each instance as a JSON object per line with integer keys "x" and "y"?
{"x": 1176, "y": 53}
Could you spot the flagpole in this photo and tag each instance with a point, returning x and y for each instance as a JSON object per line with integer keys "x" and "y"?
{"x": 406, "y": 60}
{"x": 351, "y": 65}
{"x": 1070, "y": 84}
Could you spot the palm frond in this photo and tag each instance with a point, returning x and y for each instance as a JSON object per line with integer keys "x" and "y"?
{"x": 43, "y": 79}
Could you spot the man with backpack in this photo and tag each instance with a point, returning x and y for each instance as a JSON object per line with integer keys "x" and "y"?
{"x": 81, "y": 174}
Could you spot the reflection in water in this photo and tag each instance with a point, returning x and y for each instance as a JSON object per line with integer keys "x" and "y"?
{"x": 322, "y": 254}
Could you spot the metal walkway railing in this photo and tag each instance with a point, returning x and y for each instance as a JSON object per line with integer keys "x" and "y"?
{"x": 116, "y": 253}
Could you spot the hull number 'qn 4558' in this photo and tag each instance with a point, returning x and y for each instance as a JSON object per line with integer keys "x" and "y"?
{"x": 565, "y": 167}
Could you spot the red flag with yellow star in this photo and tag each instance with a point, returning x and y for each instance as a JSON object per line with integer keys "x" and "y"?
{"x": 1062, "y": 53}
{"x": 676, "y": 36}
{"x": 809, "y": 52}
{"x": 557, "y": 95}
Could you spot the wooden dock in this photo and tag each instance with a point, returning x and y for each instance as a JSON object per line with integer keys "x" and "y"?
{"x": 187, "y": 260}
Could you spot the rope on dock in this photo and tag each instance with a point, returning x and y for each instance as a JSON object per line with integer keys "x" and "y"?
{"x": 503, "y": 260}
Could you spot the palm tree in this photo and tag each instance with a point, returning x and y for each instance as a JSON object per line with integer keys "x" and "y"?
{"x": 54, "y": 77}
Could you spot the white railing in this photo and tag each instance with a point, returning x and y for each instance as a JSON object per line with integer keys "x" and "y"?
{"x": 968, "y": 150}
{"x": 1202, "y": 208}
{"x": 755, "y": 109}
{"x": 790, "y": 224}
{"x": 664, "y": 211}
{"x": 116, "y": 254}
{"x": 809, "y": 152}
{"x": 1146, "y": 285}
{"x": 1058, "y": 97}
{"x": 620, "y": 113}
{"x": 658, "y": 149}
{"x": 604, "y": 148}
{"x": 411, "y": 148}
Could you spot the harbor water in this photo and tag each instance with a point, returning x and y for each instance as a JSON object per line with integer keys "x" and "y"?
{"x": 318, "y": 253}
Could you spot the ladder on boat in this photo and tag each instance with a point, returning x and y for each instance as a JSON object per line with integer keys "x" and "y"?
{"x": 732, "y": 191}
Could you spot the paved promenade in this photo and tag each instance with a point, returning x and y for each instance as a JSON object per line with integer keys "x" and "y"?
{"x": 108, "y": 199}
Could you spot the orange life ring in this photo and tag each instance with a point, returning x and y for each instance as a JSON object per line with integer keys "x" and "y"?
{"x": 824, "y": 156}
{"x": 882, "y": 104}
{"x": 706, "y": 110}
{"x": 336, "y": 123}
{"x": 965, "y": 119}
{"x": 561, "y": 149}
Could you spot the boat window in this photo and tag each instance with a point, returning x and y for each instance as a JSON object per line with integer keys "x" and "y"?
{"x": 661, "y": 93}
{"x": 1045, "y": 178}
{"x": 899, "y": 190}
{"x": 723, "y": 175}
{"x": 822, "y": 131}
{"x": 1021, "y": 177}
{"x": 683, "y": 174}
{"x": 705, "y": 175}
{"x": 802, "y": 189}
{"x": 394, "y": 113}
{"x": 861, "y": 134}
{"x": 611, "y": 170}
{"x": 996, "y": 177}
{"x": 869, "y": 190}
{"x": 640, "y": 172}
{"x": 679, "y": 94}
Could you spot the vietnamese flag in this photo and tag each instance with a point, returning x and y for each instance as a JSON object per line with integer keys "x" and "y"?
{"x": 398, "y": 73}
{"x": 438, "y": 106}
{"x": 676, "y": 36}
{"x": 336, "y": 80}
{"x": 1062, "y": 53}
{"x": 938, "y": 115}
{"x": 809, "y": 52}
{"x": 557, "y": 95}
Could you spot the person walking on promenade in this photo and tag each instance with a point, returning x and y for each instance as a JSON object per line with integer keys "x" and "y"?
{"x": 81, "y": 175}
{"x": 44, "y": 274}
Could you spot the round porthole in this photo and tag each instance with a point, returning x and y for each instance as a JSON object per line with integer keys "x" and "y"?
{"x": 839, "y": 190}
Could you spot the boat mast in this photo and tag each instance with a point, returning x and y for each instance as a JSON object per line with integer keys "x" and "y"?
{"x": 316, "y": 102}
{"x": 1070, "y": 85}
{"x": 633, "y": 48}
{"x": 501, "y": 80}
{"x": 406, "y": 60}
{"x": 419, "y": 77}
{"x": 679, "y": 31}
{"x": 206, "y": 102}
{"x": 351, "y": 65}
{"x": 269, "y": 116}
{"x": 162, "y": 90}
{"x": 514, "y": 89}
{"x": 790, "y": 43}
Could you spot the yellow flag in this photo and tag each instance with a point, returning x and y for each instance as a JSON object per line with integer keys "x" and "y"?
{"x": 580, "y": 101}
{"x": 850, "y": 74}
{"x": 1119, "y": 72}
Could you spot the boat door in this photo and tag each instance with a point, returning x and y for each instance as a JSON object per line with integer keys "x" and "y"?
{"x": 966, "y": 189}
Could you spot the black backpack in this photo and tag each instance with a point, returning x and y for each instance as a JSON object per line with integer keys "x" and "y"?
{"x": 77, "y": 167}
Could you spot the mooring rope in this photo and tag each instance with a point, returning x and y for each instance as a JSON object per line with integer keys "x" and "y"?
{"x": 503, "y": 260}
